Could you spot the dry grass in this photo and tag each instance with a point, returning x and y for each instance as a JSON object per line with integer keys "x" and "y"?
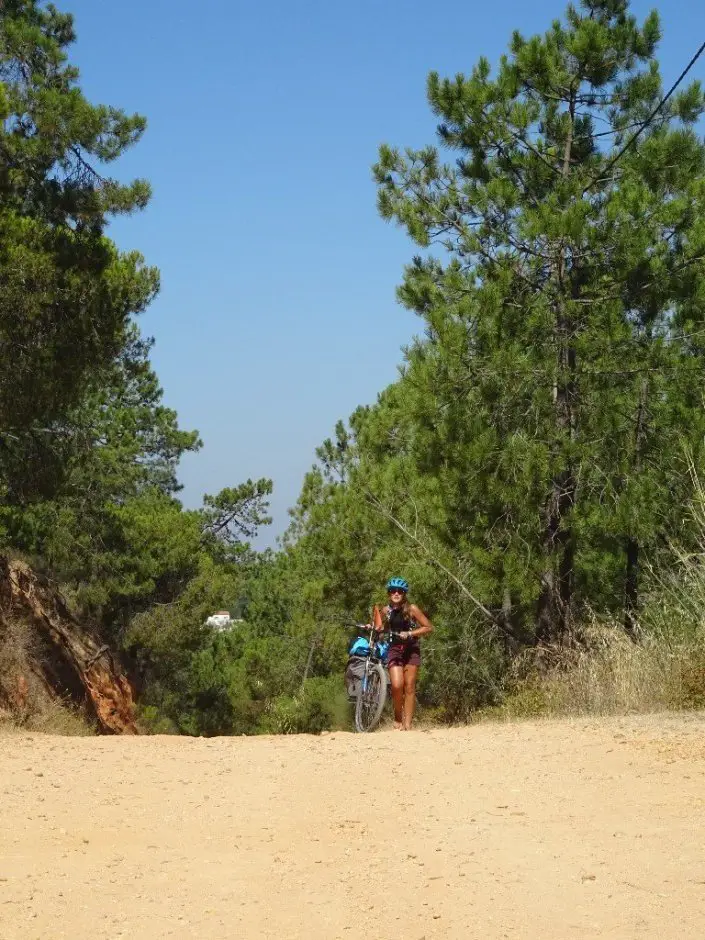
{"x": 610, "y": 675}
{"x": 25, "y": 703}
{"x": 52, "y": 718}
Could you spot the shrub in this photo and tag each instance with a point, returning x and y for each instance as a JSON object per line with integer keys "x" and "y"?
{"x": 319, "y": 706}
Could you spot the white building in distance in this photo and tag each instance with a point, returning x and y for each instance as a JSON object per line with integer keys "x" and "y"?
{"x": 220, "y": 621}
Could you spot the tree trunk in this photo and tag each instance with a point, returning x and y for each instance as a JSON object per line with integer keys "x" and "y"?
{"x": 556, "y": 591}
{"x": 631, "y": 587}
{"x": 556, "y": 594}
{"x": 309, "y": 661}
{"x": 631, "y": 576}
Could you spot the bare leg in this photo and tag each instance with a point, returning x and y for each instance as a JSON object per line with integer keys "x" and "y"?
{"x": 396, "y": 676}
{"x": 410, "y": 673}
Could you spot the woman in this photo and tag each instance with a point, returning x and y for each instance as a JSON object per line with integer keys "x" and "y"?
{"x": 404, "y": 656}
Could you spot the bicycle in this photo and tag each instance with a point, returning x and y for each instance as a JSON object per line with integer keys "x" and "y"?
{"x": 371, "y": 694}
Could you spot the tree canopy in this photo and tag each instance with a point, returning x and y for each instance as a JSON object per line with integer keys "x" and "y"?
{"x": 529, "y": 465}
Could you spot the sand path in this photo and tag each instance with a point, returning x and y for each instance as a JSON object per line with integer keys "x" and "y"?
{"x": 553, "y": 830}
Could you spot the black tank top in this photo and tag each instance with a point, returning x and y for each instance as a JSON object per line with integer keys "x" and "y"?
{"x": 398, "y": 623}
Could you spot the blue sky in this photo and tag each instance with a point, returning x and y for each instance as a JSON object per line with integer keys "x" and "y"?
{"x": 277, "y": 314}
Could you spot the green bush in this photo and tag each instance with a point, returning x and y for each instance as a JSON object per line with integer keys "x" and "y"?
{"x": 463, "y": 670}
{"x": 150, "y": 720}
{"x": 319, "y": 706}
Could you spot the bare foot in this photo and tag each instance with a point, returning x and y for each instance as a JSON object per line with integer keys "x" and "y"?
{"x": 398, "y": 726}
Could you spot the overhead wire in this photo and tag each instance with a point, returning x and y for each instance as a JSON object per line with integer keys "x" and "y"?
{"x": 632, "y": 140}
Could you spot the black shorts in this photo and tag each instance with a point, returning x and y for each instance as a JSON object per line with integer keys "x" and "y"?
{"x": 404, "y": 654}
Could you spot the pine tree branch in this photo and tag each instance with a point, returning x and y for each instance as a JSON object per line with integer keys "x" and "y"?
{"x": 382, "y": 509}
{"x": 633, "y": 139}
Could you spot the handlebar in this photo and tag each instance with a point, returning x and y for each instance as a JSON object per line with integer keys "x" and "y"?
{"x": 380, "y": 632}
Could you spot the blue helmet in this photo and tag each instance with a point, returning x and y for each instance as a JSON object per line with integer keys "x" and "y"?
{"x": 399, "y": 584}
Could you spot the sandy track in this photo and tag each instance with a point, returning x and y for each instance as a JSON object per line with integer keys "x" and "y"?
{"x": 551, "y": 830}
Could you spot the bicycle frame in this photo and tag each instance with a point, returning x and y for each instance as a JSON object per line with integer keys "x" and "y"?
{"x": 374, "y": 639}
{"x": 370, "y": 699}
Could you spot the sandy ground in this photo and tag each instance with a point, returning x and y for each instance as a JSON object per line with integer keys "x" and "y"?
{"x": 545, "y": 830}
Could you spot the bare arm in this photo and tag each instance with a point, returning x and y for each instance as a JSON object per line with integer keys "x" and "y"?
{"x": 424, "y": 624}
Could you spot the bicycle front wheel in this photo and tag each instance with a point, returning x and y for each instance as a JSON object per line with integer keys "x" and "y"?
{"x": 371, "y": 696}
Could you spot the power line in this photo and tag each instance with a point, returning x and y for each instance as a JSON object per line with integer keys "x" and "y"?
{"x": 649, "y": 119}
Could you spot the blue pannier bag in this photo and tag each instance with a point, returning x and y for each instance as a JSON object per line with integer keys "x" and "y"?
{"x": 360, "y": 647}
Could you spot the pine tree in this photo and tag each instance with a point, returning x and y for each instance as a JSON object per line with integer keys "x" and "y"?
{"x": 562, "y": 370}
{"x": 66, "y": 293}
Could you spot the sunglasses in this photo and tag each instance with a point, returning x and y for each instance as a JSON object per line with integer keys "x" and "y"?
{"x": 396, "y": 591}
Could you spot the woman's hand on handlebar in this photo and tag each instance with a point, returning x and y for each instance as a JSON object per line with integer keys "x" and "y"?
{"x": 402, "y": 637}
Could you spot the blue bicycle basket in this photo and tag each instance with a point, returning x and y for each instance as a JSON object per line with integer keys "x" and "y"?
{"x": 360, "y": 647}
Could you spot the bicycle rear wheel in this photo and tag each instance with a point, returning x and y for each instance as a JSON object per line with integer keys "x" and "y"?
{"x": 371, "y": 696}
